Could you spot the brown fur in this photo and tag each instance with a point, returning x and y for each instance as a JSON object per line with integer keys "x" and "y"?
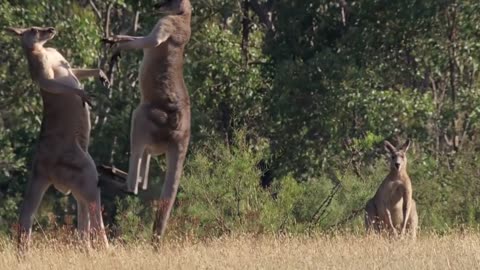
{"x": 393, "y": 208}
{"x": 61, "y": 157}
{"x": 161, "y": 123}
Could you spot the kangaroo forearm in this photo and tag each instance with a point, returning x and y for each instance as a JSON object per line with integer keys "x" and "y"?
{"x": 86, "y": 73}
{"x": 389, "y": 219}
{"x": 407, "y": 205}
{"x": 55, "y": 87}
{"x": 123, "y": 38}
{"x": 406, "y": 213}
{"x": 142, "y": 42}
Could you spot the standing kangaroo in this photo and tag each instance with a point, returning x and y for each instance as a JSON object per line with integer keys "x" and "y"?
{"x": 61, "y": 158}
{"x": 161, "y": 123}
{"x": 393, "y": 207}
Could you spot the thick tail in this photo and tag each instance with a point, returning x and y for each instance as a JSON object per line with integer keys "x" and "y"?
{"x": 112, "y": 180}
{"x": 112, "y": 171}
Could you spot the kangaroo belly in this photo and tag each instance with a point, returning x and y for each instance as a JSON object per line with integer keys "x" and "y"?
{"x": 161, "y": 75}
{"x": 65, "y": 120}
{"x": 396, "y": 210}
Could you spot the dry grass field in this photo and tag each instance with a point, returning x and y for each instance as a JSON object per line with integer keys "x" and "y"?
{"x": 456, "y": 251}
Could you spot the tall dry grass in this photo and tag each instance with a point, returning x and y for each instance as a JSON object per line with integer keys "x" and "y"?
{"x": 456, "y": 251}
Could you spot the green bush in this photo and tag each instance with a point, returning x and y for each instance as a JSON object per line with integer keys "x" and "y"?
{"x": 133, "y": 220}
{"x": 221, "y": 191}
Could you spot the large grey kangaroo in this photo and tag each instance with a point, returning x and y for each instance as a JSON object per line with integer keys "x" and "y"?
{"x": 161, "y": 123}
{"x": 61, "y": 157}
{"x": 393, "y": 208}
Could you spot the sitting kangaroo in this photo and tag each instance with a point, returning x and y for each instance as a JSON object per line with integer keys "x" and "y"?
{"x": 393, "y": 208}
{"x": 161, "y": 122}
{"x": 61, "y": 158}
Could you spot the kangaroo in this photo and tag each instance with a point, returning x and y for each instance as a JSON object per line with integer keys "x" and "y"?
{"x": 393, "y": 208}
{"x": 61, "y": 157}
{"x": 161, "y": 122}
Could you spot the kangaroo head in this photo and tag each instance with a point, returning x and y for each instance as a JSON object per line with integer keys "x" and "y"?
{"x": 398, "y": 159}
{"x": 33, "y": 36}
{"x": 173, "y": 7}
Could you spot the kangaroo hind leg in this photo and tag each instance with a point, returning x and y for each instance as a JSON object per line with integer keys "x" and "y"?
{"x": 371, "y": 218}
{"x": 90, "y": 211}
{"x": 412, "y": 225}
{"x": 83, "y": 223}
{"x": 82, "y": 175}
{"x": 36, "y": 188}
{"x": 95, "y": 213}
{"x": 175, "y": 158}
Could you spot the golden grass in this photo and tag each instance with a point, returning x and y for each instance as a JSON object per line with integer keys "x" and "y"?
{"x": 262, "y": 252}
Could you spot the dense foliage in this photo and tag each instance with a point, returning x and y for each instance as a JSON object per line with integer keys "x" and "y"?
{"x": 291, "y": 99}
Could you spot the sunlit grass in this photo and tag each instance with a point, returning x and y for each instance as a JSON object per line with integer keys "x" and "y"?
{"x": 456, "y": 251}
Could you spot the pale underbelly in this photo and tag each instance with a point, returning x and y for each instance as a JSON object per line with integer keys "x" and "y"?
{"x": 396, "y": 210}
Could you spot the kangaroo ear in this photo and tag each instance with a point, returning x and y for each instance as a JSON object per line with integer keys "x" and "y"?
{"x": 389, "y": 147}
{"x": 406, "y": 145}
{"x": 16, "y": 31}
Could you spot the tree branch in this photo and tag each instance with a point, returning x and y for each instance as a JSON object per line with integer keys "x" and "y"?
{"x": 95, "y": 9}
